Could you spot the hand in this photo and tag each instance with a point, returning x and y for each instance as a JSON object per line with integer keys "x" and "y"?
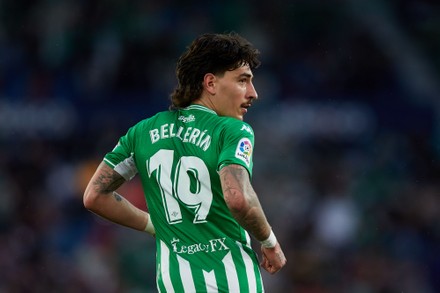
{"x": 273, "y": 259}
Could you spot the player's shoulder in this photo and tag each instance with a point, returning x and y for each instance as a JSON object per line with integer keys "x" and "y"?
{"x": 235, "y": 125}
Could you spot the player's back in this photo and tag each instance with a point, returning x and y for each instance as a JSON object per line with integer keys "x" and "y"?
{"x": 201, "y": 248}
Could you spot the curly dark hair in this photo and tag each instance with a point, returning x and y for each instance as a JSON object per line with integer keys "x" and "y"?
{"x": 209, "y": 53}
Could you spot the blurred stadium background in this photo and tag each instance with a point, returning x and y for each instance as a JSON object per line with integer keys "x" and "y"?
{"x": 347, "y": 125}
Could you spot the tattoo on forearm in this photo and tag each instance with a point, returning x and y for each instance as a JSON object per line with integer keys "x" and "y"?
{"x": 117, "y": 196}
{"x": 108, "y": 181}
{"x": 239, "y": 193}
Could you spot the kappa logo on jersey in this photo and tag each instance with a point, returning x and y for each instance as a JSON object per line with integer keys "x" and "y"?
{"x": 186, "y": 119}
{"x": 247, "y": 128}
{"x": 244, "y": 150}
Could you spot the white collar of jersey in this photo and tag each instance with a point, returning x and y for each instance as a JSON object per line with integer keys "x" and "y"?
{"x": 200, "y": 107}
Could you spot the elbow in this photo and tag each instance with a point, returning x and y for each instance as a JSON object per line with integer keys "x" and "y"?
{"x": 90, "y": 200}
{"x": 236, "y": 203}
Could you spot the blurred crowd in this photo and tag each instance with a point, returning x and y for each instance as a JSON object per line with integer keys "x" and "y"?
{"x": 347, "y": 130}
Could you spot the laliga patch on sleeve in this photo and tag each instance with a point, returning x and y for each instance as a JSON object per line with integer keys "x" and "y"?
{"x": 244, "y": 150}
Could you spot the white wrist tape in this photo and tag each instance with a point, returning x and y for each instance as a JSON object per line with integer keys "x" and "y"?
{"x": 270, "y": 242}
{"x": 150, "y": 228}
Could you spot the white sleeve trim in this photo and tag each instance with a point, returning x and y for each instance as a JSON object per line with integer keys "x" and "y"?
{"x": 126, "y": 168}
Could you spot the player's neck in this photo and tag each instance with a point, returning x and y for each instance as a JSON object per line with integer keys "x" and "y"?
{"x": 205, "y": 101}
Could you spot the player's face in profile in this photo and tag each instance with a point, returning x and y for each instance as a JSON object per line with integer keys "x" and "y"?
{"x": 235, "y": 92}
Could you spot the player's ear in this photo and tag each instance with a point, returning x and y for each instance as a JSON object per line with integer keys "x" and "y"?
{"x": 209, "y": 82}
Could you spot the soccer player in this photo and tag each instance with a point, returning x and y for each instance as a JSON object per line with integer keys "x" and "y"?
{"x": 195, "y": 164}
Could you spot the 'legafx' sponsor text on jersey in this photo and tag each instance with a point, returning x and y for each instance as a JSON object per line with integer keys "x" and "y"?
{"x": 186, "y": 134}
{"x": 212, "y": 245}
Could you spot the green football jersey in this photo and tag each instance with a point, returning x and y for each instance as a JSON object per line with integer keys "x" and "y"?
{"x": 178, "y": 154}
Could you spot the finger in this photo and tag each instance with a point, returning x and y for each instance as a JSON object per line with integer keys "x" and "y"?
{"x": 271, "y": 269}
{"x": 264, "y": 263}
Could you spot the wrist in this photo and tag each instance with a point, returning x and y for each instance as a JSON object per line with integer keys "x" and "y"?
{"x": 149, "y": 228}
{"x": 270, "y": 242}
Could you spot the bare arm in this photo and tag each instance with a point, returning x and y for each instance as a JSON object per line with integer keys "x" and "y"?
{"x": 243, "y": 201}
{"x": 101, "y": 198}
{"x": 246, "y": 209}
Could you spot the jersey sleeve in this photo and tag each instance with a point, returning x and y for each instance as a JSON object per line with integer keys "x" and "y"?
{"x": 238, "y": 146}
{"x": 121, "y": 158}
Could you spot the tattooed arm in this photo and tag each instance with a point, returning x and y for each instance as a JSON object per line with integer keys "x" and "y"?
{"x": 246, "y": 209}
{"x": 101, "y": 198}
